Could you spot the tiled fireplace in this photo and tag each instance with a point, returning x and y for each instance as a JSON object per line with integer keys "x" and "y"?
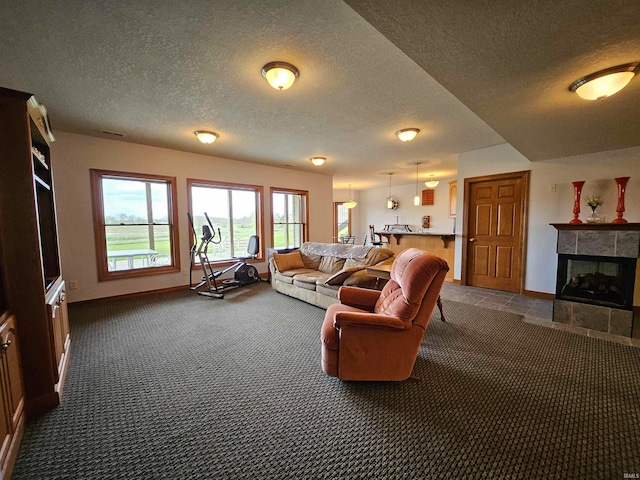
{"x": 598, "y": 280}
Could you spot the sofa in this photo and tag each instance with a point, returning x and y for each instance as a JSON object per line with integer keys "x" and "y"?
{"x": 315, "y": 272}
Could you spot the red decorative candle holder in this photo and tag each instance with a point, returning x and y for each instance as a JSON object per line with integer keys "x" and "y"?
{"x": 622, "y": 185}
{"x": 577, "y": 191}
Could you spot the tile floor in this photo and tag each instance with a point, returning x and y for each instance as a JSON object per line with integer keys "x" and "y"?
{"x": 535, "y": 310}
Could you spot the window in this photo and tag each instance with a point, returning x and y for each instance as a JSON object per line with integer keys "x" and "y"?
{"x": 234, "y": 209}
{"x": 341, "y": 220}
{"x": 136, "y": 224}
{"x": 289, "y": 212}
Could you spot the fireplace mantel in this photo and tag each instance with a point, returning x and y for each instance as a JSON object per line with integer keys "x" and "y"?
{"x": 596, "y": 226}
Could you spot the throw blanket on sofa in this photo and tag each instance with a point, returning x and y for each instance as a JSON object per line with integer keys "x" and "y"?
{"x": 338, "y": 250}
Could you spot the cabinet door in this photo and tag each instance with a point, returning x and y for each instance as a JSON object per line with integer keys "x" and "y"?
{"x": 55, "y": 318}
{"x": 13, "y": 372}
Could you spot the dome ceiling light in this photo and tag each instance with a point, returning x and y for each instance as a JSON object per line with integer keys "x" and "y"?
{"x": 603, "y": 84}
{"x": 407, "y": 134}
{"x": 280, "y": 75}
{"x": 205, "y": 136}
{"x": 317, "y": 161}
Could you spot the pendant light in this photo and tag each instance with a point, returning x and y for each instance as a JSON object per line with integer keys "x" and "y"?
{"x": 391, "y": 203}
{"x": 416, "y": 198}
{"x": 432, "y": 183}
{"x": 351, "y": 203}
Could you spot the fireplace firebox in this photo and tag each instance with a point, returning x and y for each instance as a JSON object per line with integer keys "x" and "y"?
{"x": 605, "y": 281}
{"x": 598, "y": 277}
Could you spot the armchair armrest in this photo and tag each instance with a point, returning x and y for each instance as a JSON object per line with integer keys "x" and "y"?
{"x": 368, "y": 320}
{"x": 361, "y": 298}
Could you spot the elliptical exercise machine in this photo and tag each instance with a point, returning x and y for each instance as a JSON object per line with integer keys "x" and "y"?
{"x": 244, "y": 274}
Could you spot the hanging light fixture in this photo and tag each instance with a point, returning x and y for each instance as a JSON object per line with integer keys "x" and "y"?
{"x": 407, "y": 134}
{"x": 603, "y": 84}
{"x": 351, "y": 203}
{"x": 205, "y": 136}
{"x": 432, "y": 183}
{"x": 416, "y": 198}
{"x": 280, "y": 75}
{"x": 391, "y": 203}
{"x": 317, "y": 161}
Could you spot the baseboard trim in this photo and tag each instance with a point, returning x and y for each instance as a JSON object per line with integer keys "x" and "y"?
{"x": 543, "y": 296}
{"x": 178, "y": 288}
{"x": 457, "y": 282}
{"x": 131, "y": 295}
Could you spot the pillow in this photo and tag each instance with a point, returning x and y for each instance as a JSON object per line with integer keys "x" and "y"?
{"x": 288, "y": 261}
{"x": 341, "y": 276}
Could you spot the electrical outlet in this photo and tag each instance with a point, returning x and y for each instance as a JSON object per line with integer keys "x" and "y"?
{"x": 185, "y": 271}
{"x": 552, "y": 187}
{"x": 73, "y": 285}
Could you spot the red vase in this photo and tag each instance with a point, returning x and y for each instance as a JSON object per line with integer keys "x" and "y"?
{"x": 622, "y": 184}
{"x": 577, "y": 191}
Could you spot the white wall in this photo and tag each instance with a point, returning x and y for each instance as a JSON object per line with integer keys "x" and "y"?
{"x": 545, "y": 206}
{"x": 73, "y": 155}
{"x": 372, "y": 211}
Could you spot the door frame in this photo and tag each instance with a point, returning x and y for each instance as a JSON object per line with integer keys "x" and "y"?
{"x": 524, "y": 210}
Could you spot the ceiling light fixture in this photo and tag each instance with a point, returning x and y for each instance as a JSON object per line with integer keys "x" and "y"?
{"x": 391, "y": 203}
{"x": 206, "y": 137}
{"x": 416, "y": 198}
{"x": 432, "y": 183}
{"x": 317, "y": 161}
{"x": 603, "y": 84}
{"x": 351, "y": 203}
{"x": 407, "y": 134}
{"x": 280, "y": 75}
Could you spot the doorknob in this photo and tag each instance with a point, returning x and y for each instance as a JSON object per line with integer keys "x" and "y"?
{"x": 472, "y": 239}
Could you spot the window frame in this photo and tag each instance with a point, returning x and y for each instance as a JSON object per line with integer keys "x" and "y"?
{"x": 335, "y": 220}
{"x": 258, "y": 189}
{"x": 99, "y": 225}
{"x": 305, "y": 223}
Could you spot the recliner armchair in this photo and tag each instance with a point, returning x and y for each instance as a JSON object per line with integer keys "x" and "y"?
{"x": 376, "y": 335}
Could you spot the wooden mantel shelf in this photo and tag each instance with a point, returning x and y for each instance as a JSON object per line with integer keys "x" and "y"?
{"x": 445, "y": 237}
{"x": 596, "y": 226}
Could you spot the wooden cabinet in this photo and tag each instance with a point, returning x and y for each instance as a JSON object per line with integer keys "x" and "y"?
{"x": 11, "y": 395}
{"x": 29, "y": 255}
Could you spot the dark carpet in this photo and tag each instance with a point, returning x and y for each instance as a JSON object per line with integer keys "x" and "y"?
{"x": 178, "y": 386}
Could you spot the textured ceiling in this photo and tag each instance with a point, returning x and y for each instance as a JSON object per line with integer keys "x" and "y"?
{"x": 158, "y": 70}
{"x": 511, "y": 63}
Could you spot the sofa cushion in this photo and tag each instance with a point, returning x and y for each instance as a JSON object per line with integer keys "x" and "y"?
{"x": 283, "y": 278}
{"x": 296, "y": 271}
{"x": 331, "y": 264}
{"x": 312, "y": 276}
{"x": 288, "y": 261}
{"x": 311, "y": 260}
{"x": 339, "y": 277}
